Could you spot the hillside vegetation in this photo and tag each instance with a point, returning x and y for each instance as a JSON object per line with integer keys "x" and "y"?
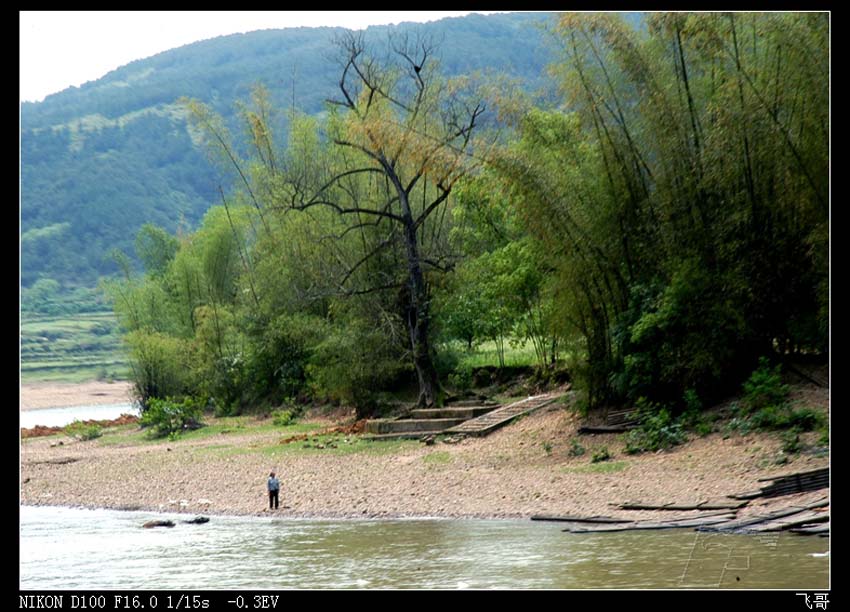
{"x": 101, "y": 160}
{"x": 658, "y": 227}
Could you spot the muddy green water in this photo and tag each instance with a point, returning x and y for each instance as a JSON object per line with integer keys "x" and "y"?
{"x": 65, "y": 548}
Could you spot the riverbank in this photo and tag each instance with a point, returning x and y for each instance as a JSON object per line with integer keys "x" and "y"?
{"x": 524, "y": 469}
{"x": 53, "y": 395}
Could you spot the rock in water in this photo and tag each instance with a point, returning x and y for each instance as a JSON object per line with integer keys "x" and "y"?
{"x": 198, "y": 520}
{"x": 158, "y": 523}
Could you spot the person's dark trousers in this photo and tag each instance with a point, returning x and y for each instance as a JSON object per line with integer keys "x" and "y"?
{"x": 273, "y": 500}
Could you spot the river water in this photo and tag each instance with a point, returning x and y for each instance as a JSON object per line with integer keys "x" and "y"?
{"x": 70, "y": 548}
{"x": 59, "y": 417}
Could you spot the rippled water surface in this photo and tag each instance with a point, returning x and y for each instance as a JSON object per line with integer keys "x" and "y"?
{"x": 65, "y": 548}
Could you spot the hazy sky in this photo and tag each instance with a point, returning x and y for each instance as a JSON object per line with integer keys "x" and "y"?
{"x": 64, "y": 48}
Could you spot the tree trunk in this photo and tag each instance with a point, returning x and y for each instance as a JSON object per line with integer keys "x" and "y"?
{"x": 418, "y": 313}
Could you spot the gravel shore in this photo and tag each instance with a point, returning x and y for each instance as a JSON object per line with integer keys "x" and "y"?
{"x": 521, "y": 470}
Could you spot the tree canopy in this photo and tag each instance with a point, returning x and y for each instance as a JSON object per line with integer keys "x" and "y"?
{"x": 659, "y": 227}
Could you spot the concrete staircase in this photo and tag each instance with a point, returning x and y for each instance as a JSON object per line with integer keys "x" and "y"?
{"x": 469, "y": 417}
{"x": 485, "y": 424}
{"x": 424, "y": 422}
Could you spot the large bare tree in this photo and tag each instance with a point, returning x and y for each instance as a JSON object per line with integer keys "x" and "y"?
{"x": 396, "y": 121}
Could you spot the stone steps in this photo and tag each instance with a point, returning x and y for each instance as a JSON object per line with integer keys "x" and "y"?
{"x": 391, "y": 426}
{"x": 483, "y": 425}
{"x": 451, "y": 412}
{"x": 474, "y": 403}
{"x": 410, "y": 435}
{"x": 473, "y": 417}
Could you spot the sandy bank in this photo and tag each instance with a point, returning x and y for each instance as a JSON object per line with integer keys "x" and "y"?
{"x": 52, "y": 395}
{"x": 521, "y": 470}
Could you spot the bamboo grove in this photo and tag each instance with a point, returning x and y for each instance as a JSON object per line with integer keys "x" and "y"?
{"x": 657, "y": 227}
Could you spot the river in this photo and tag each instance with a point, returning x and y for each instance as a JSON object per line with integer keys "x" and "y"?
{"x": 71, "y": 548}
{"x": 58, "y": 417}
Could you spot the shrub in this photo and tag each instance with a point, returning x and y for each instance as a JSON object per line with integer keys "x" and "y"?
{"x": 282, "y": 418}
{"x": 461, "y": 378}
{"x": 784, "y": 417}
{"x": 83, "y": 431}
{"x": 791, "y": 442}
{"x": 657, "y": 429}
{"x": 771, "y": 417}
{"x": 168, "y": 417}
{"x": 600, "y": 455}
{"x": 764, "y": 388}
{"x": 576, "y": 449}
{"x": 158, "y": 364}
{"x": 806, "y": 419}
{"x": 739, "y": 424}
{"x": 354, "y": 363}
{"x": 693, "y": 404}
{"x": 276, "y": 359}
{"x": 703, "y": 428}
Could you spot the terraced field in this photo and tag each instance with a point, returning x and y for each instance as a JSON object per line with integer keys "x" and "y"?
{"x": 71, "y": 348}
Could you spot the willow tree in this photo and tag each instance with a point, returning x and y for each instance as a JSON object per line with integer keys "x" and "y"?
{"x": 397, "y": 139}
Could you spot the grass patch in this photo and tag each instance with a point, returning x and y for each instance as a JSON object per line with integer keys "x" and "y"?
{"x": 220, "y": 426}
{"x": 223, "y": 426}
{"x": 437, "y": 458}
{"x": 337, "y": 444}
{"x": 124, "y": 435}
{"x": 82, "y": 431}
{"x": 486, "y": 354}
{"x": 607, "y": 467}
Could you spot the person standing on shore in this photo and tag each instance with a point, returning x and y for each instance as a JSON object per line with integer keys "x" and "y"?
{"x": 274, "y": 490}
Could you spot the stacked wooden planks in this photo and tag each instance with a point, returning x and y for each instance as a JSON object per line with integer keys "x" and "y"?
{"x": 789, "y": 484}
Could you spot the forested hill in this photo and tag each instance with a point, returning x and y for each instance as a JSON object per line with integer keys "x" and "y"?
{"x": 99, "y": 161}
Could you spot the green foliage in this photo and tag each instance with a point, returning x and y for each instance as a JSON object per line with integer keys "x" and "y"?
{"x": 461, "y": 379}
{"x": 100, "y": 160}
{"x": 785, "y": 417}
{"x": 600, "y": 455}
{"x": 682, "y": 215}
{"x": 82, "y": 431}
{"x": 703, "y": 428}
{"x": 693, "y": 404}
{"x": 791, "y": 442}
{"x": 169, "y": 417}
{"x": 500, "y": 296}
{"x": 657, "y": 430}
{"x": 662, "y": 234}
{"x": 765, "y": 407}
{"x": 764, "y": 388}
{"x": 684, "y": 338}
{"x": 160, "y": 366}
{"x": 576, "y": 449}
{"x": 155, "y": 248}
{"x": 283, "y": 418}
{"x": 352, "y": 363}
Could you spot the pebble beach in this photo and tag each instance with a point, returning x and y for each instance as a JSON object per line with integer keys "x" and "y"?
{"x": 527, "y": 468}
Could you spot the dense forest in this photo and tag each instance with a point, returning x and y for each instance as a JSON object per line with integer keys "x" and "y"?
{"x": 659, "y": 225}
{"x": 101, "y": 160}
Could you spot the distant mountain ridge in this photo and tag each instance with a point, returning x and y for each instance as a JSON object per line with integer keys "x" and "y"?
{"x": 100, "y": 160}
